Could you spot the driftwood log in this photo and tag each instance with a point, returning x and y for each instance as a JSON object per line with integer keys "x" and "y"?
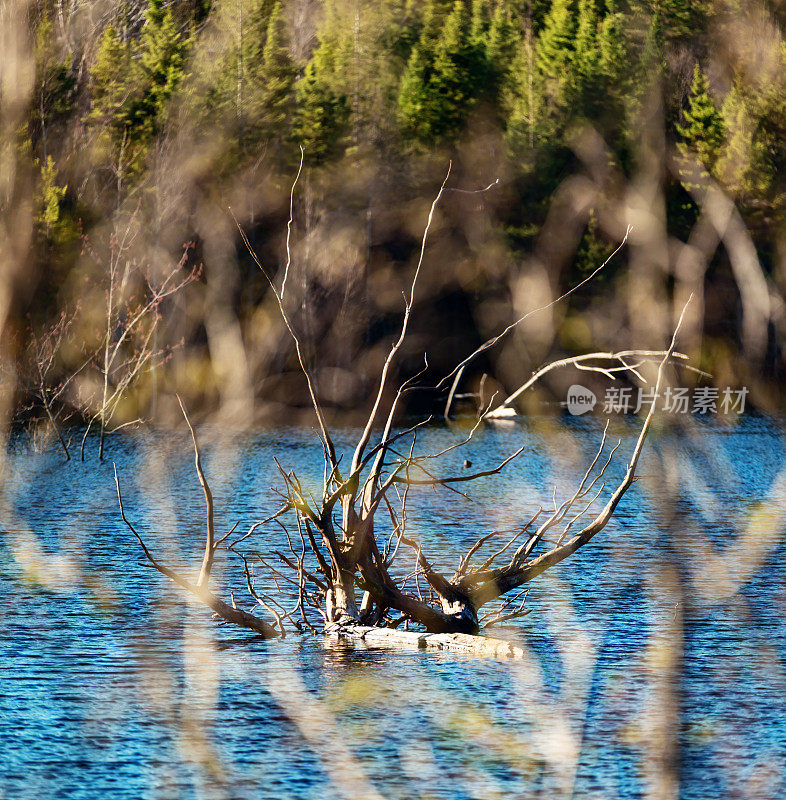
{"x": 391, "y": 638}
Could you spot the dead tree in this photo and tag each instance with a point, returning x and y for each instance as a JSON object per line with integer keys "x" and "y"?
{"x": 45, "y": 380}
{"x": 346, "y": 548}
{"x": 128, "y": 347}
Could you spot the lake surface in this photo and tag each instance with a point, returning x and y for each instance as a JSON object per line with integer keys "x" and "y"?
{"x": 655, "y": 654}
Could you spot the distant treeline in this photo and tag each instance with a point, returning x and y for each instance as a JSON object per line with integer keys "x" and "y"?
{"x": 168, "y": 109}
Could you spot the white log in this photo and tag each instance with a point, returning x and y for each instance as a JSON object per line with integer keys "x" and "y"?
{"x": 410, "y": 640}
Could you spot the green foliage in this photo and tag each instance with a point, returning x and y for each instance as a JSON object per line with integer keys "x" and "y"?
{"x": 161, "y": 59}
{"x": 702, "y": 131}
{"x": 262, "y": 88}
{"x": 48, "y": 197}
{"x": 502, "y": 44}
{"x": 585, "y": 85}
{"x": 368, "y": 47}
{"x": 743, "y": 167}
{"x": 322, "y": 112}
{"x": 554, "y": 55}
{"x": 613, "y": 52}
{"x": 112, "y": 88}
{"x": 443, "y": 78}
{"x": 414, "y": 100}
{"x": 518, "y": 98}
{"x": 556, "y": 42}
{"x": 247, "y": 88}
{"x": 479, "y": 22}
{"x": 276, "y": 75}
{"x": 678, "y": 18}
{"x": 131, "y": 85}
{"x": 652, "y": 64}
{"x": 383, "y": 88}
{"x": 566, "y": 72}
{"x": 459, "y": 69}
{"x": 385, "y": 79}
{"x": 593, "y": 251}
{"x": 586, "y": 56}
{"x": 55, "y": 79}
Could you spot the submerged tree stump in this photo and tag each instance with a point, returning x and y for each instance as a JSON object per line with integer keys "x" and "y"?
{"x": 410, "y": 640}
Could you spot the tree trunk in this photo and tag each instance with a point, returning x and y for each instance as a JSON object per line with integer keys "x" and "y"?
{"x": 340, "y": 602}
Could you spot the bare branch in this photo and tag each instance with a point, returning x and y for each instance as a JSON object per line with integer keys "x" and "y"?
{"x": 286, "y": 507}
{"x": 494, "y": 583}
{"x": 364, "y": 437}
{"x": 210, "y": 548}
{"x": 289, "y": 221}
{"x": 494, "y": 339}
{"x": 326, "y": 438}
{"x": 224, "y": 610}
{"x": 458, "y": 478}
{"x": 578, "y": 361}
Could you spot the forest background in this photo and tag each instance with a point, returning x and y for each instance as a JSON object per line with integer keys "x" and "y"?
{"x": 142, "y": 141}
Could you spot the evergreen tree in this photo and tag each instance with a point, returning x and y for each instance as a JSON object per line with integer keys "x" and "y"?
{"x": 614, "y": 72}
{"x": 131, "y": 85}
{"x": 161, "y": 64}
{"x": 744, "y": 166}
{"x": 226, "y": 86}
{"x": 55, "y": 85}
{"x": 113, "y": 85}
{"x": 440, "y": 86}
{"x": 539, "y": 10}
{"x": 274, "y": 80}
{"x": 555, "y": 43}
{"x": 369, "y": 46}
{"x": 413, "y": 98}
{"x": 702, "y": 131}
{"x": 613, "y": 56}
{"x": 322, "y": 113}
{"x": 502, "y": 44}
{"x": 593, "y": 250}
{"x": 584, "y": 79}
{"x": 652, "y": 64}
{"x": 479, "y": 22}
{"x": 554, "y": 54}
{"x": 115, "y": 97}
{"x": 245, "y": 71}
{"x": 679, "y": 19}
{"x": 586, "y": 56}
{"x": 520, "y": 102}
{"x": 432, "y": 19}
{"x": 459, "y": 70}
{"x": 49, "y": 196}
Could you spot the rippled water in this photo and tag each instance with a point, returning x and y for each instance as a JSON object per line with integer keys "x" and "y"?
{"x": 656, "y": 653}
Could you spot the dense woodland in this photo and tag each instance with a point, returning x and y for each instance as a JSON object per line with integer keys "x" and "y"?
{"x": 154, "y": 133}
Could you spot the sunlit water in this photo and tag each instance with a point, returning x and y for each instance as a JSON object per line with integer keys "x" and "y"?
{"x": 114, "y": 686}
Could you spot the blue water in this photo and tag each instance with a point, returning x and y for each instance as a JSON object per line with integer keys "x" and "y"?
{"x": 655, "y": 654}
